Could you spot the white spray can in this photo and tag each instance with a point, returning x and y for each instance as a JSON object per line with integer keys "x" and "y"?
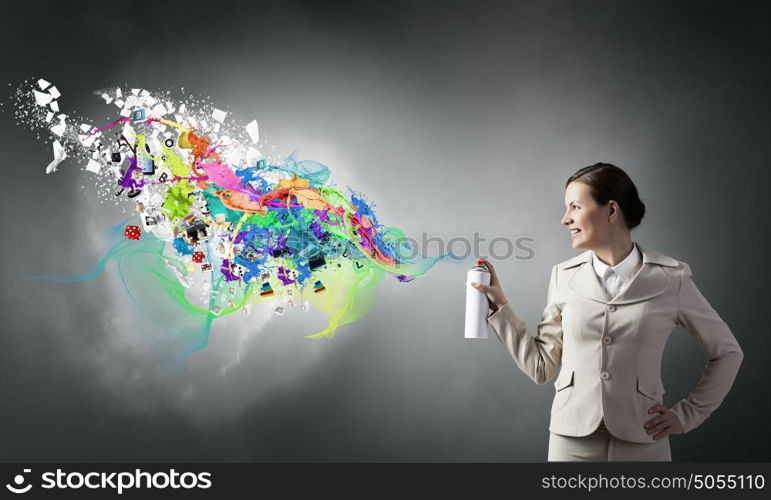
{"x": 477, "y": 305}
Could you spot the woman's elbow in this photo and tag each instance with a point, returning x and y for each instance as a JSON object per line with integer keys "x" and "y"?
{"x": 544, "y": 375}
{"x": 737, "y": 352}
{"x": 733, "y": 355}
{"x": 739, "y": 355}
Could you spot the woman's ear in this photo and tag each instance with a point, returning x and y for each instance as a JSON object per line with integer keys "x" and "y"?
{"x": 613, "y": 210}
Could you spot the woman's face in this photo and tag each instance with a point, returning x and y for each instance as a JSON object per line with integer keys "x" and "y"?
{"x": 586, "y": 220}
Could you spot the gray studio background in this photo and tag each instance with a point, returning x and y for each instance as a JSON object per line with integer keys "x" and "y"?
{"x": 453, "y": 117}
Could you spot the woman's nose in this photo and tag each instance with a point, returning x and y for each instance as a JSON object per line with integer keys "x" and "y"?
{"x": 566, "y": 220}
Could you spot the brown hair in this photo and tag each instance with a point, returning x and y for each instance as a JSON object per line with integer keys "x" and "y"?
{"x": 608, "y": 182}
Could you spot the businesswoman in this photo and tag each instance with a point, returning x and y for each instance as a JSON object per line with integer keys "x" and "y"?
{"x": 608, "y": 315}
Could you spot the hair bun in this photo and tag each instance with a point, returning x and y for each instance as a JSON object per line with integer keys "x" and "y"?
{"x": 608, "y": 182}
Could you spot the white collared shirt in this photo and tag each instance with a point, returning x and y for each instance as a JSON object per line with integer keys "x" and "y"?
{"x": 615, "y": 278}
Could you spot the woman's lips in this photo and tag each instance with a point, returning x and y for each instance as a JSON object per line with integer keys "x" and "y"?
{"x": 575, "y": 233}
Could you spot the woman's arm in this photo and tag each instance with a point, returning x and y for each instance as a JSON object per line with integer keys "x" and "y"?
{"x": 724, "y": 356}
{"x": 539, "y": 357}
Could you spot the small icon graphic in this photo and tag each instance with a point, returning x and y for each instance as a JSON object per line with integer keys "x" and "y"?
{"x": 19, "y": 481}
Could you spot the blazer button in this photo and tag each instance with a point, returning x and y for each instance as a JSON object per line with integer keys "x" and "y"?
{"x": 606, "y": 340}
{"x": 604, "y": 375}
{"x": 611, "y": 308}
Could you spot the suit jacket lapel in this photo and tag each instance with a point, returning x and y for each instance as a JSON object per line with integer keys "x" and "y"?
{"x": 586, "y": 283}
{"x": 649, "y": 281}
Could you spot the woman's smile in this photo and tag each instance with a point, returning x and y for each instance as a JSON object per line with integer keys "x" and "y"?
{"x": 584, "y": 217}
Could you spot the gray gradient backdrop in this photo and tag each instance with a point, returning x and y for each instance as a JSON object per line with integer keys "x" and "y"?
{"x": 453, "y": 117}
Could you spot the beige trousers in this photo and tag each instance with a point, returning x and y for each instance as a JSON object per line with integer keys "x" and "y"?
{"x": 602, "y": 446}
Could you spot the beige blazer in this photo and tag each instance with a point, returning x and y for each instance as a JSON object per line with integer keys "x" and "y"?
{"x": 610, "y": 350}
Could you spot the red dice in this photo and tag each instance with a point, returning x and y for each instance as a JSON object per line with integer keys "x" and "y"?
{"x": 198, "y": 257}
{"x": 132, "y": 232}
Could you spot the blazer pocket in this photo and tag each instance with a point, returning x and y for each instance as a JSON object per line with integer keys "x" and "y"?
{"x": 649, "y": 389}
{"x": 563, "y": 388}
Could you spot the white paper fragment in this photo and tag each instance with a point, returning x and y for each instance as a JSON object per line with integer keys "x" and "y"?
{"x": 254, "y": 131}
{"x": 118, "y": 93}
{"x": 219, "y": 115}
{"x": 155, "y": 146}
{"x": 54, "y": 92}
{"x": 163, "y": 230}
{"x": 119, "y": 103}
{"x": 107, "y": 98}
{"x": 42, "y": 98}
{"x": 159, "y": 109}
{"x": 54, "y": 106}
{"x": 85, "y": 127}
{"x": 93, "y": 166}
{"x": 43, "y": 84}
{"x": 182, "y": 108}
{"x": 133, "y": 101}
{"x": 125, "y": 112}
{"x": 87, "y": 140}
{"x": 217, "y": 128}
{"x": 59, "y": 156}
{"x": 49, "y": 117}
{"x": 135, "y": 91}
{"x": 129, "y": 134}
{"x": 252, "y": 155}
{"x": 58, "y": 129}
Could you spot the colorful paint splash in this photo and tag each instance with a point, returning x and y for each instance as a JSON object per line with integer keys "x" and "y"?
{"x": 219, "y": 227}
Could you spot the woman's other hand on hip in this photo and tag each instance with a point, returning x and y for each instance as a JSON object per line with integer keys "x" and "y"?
{"x": 665, "y": 424}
